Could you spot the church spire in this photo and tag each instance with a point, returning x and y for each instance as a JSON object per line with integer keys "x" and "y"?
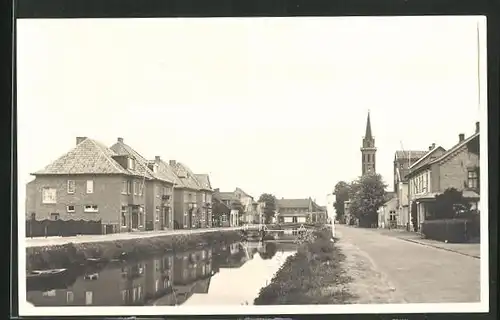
{"x": 368, "y": 134}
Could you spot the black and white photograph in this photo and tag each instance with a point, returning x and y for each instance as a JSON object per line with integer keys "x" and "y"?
{"x": 259, "y": 165}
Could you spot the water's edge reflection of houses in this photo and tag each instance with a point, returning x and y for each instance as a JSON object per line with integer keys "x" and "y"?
{"x": 167, "y": 280}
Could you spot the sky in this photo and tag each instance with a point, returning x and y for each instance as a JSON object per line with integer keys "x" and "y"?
{"x": 274, "y": 105}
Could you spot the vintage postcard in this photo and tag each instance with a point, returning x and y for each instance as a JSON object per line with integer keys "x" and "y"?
{"x": 238, "y": 165}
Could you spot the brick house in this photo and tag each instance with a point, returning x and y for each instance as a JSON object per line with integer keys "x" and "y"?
{"x": 204, "y": 199}
{"x": 300, "y": 211}
{"x": 401, "y": 165}
{"x": 90, "y": 182}
{"x": 221, "y": 211}
{"x": 190, "y": 211}
{"x": 159, "y": 204}
{"x": 249, "y": 206}
{"x": 439, "y": 170}
{"x": 227, "y": 199}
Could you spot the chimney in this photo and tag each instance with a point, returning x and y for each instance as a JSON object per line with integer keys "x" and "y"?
{"x": 172, "y": 162}
{"x": 461, "y": 137}
{"x": 80, "y": 140}
{"x": 477, "y": 127}
{"x": 157, "y": 159}
{"x": 120, "y": 140}
{"x": 430, "y": 147}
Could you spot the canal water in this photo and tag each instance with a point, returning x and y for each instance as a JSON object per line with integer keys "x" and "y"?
{"x": 231, "y": 274}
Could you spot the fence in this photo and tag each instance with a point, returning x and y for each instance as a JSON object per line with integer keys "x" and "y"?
{"x": 64, "y": 228}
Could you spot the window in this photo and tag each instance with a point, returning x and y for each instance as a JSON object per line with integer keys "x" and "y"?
{"x": 157, "y": 214}
{"x": 90, "y": 186}
{"x": 88, "y": 297}
{"x": 124, "y": 295}
{"x": 91, "y": 208}
{"x": 157, "y": 285}
{"x": 224, "y": 218}
{"x": 54, "y": 216}
{"x": 472, "y": 179}
{"x": 204, "y": 197}
{"x": 131, "y": 163}
{"x": 135, "y": 188}
{"x": 49, "y": 195}
{"x": 70, "y": 208}
{"x": 124, "y": 187}
{"x": 71, "y": 186}
{"x": 124, "y": 216}
{"x": 129, "y": 187}
{"x": 69, "y": 296}
{"x": 141, "y": 189}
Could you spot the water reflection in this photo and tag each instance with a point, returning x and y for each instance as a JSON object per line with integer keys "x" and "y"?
{"x": 172, "y": 279}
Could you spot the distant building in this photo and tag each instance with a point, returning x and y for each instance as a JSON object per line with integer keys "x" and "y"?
{"x": 300, "y": 211}
{"x": 401, "y": 166}
{"x": 368, "y": 150}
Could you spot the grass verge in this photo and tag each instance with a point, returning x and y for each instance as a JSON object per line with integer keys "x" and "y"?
{"x": 68, "y": 255}
{"x": 314, "y": 275}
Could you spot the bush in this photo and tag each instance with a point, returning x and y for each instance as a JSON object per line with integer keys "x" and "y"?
{"x": 309, "y": 276}
{"x": 451, "y": 230}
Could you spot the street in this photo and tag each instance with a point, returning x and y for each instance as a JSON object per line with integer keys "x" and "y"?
{"x": 52, "y": 241}
{"x": 386, "y": 269}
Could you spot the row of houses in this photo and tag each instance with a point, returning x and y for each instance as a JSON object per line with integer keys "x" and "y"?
{"x": 121, "y": 188}
{"x": 285, "y": 211}
{"x": 420, "y": 175}
{"x": 126, "y": 192}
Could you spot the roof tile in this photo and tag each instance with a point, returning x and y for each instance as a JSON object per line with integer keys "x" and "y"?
{"x": 88, "y": 157}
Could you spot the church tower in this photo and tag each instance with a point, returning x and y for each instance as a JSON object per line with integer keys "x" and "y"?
{"x": 368, "y": 150}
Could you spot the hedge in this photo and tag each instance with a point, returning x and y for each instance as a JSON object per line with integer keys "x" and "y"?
{"x": 451, "y": 230}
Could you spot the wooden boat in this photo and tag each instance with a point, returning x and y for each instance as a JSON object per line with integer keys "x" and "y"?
{"x": 37, "y": 274}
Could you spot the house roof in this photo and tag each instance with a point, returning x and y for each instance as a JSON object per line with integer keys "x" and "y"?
{"x": 187, "y": 177}
{"x": 456, "y": 147}
{"x": 419, "y": 161}
{"x": 120, "y": 148}
{"x": 168, "y": 173}
{"x": 87, "y": 157}
{"x": 243, "y": 192}
{"x": 204, "y": 181}
{"x": 293, "y": 203}
{"x": 406, "y": 154}
{"x": 226, "y": 196}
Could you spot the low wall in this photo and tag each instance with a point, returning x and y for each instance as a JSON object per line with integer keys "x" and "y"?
{"x": 68, "y": 255}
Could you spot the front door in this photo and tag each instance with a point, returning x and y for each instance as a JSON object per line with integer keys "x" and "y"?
{"x": 162, "y": 218}
{"x": 135, "y": 218}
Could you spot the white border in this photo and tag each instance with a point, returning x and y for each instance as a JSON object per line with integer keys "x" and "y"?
{"x": 26, "y": 309}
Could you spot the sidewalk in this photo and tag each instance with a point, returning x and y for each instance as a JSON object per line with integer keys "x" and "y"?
{"x": 468, "y": 249}
{"x": 53, "y": 241}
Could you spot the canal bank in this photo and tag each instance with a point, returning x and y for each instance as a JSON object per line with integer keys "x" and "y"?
{"x": 313, "y": 275}
{"x": 76, "y": 254}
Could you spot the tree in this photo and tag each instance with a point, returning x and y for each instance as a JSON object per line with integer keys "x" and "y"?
{"x": 450, "y": 204}
{"x": 341, "y": 191}
{"x": 367, "y": 195}
{"x": 269, "y": 209}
